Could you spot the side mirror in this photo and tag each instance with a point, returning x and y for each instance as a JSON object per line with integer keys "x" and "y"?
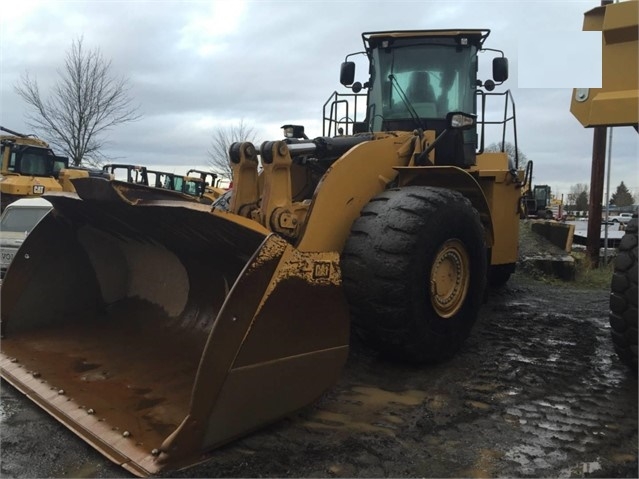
{"x": 500, "y": 69}
{"x": 347, "y": 73}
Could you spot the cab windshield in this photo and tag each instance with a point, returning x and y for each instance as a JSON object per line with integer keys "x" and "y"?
{"x": 423, "y": 77}
{"x": 193, "y": 187}
{"x": 36, "y": 164}
{"x": 34, "y": 161}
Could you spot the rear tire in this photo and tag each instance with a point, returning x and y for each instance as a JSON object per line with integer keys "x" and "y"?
{"x": 414, "y": 272}
{"x": 623, "y": 298}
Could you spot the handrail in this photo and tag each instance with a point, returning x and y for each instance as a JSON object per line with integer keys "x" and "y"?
{"x": 508, "y": 100}
{"x": 332, "y": 121}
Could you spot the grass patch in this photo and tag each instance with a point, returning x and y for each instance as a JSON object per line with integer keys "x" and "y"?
{"x": 587, "y": 276}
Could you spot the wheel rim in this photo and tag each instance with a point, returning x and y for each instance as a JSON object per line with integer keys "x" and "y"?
{"x": 449, "y": 278}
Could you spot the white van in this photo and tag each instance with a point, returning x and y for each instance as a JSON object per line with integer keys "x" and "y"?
{"x": 17, "y": 221}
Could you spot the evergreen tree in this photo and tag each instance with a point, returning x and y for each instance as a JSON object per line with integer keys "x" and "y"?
{"x": 582, "y": 201}
{"x": 622, "y": 197}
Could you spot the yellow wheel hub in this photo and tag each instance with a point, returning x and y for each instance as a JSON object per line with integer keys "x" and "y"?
{"x": 449, "y": 278}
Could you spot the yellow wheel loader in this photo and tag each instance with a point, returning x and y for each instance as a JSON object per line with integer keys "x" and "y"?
{"x": 174, "y": 327}
{"x": 30, "y": 168}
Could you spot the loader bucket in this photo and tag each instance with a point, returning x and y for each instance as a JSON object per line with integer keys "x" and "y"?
{"x": 159, "y": 330}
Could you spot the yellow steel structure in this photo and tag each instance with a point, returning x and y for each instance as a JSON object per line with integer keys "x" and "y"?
{"x": 616, "y": 103}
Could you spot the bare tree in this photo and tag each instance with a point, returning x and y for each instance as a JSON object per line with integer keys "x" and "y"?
{"x": 509, "y": 148}
{"x": 576, "y": 190}
{"x": 223, "y": 137}
{"x": 578, "y": 198}
{"x": 85, "y": 102}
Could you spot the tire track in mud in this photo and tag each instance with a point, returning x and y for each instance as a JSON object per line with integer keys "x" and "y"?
{"x": 534, "y": 393}
{"x": 531, "y": 395}
{"x": 548, "y": 379}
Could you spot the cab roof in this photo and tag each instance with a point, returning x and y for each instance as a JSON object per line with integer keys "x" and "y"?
{"x": 371, "y": 38}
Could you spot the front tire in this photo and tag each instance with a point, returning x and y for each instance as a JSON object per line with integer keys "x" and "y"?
{"x": 414, "y": 272}
{"x": 623, "y": 298}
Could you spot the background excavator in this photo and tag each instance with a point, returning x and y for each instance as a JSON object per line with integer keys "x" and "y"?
{"x": 536, "y": 200}
{"x": 616, "y": 103}
{"x": 174, "y": 327}
{"x": 30, "y": 168}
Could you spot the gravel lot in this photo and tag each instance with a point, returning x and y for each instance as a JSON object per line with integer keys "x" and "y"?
{"x": 536, "y": 392}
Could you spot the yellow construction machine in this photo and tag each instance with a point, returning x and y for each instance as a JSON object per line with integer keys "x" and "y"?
{"x": 144, "y": 184}
{"x": 30, "y": 168}
{"x": 616, "y": 103}
{"x": 173, "y": 327}
{"x": 212, "y": 188}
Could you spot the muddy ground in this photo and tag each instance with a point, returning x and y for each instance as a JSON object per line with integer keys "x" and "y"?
{"x": 536, "y": 392}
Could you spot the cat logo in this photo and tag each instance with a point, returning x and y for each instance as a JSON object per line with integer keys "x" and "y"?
{"x": 322, "y": 269}
{"x": 38, "y": 189}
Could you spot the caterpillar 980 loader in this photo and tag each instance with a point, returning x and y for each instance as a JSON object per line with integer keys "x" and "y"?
{"x": 30, "y": 168}
{"x": 172, "y": 327}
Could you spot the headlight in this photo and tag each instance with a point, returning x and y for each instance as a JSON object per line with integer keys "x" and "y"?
{"x": 293, "y": 131}
{"x": 460, "y": 120}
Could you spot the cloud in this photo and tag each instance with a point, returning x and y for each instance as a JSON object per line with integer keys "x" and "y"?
{"x": 193, "y": 65}
{"x": 206, "y": 29}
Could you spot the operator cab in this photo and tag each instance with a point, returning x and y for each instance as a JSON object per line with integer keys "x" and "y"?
{"x": 31, "y": 160}
{"x": 417, "y": 78}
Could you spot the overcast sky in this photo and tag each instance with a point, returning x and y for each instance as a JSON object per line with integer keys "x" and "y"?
{"x": 194, "y": 66}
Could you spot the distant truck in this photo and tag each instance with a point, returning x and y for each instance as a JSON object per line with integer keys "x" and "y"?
{"x": 620, "y": 218}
